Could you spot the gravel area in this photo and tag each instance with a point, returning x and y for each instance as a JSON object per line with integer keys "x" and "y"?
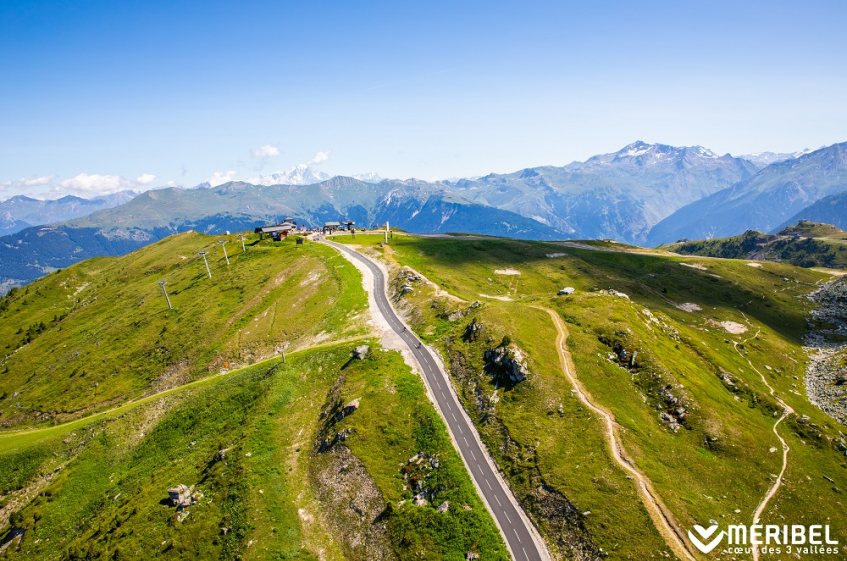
{"x": 826, "y": 343}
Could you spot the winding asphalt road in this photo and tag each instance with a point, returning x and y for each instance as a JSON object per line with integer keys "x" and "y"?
{"x": 513, "y": 525}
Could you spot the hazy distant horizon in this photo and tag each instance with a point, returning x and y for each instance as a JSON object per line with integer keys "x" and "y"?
{"x": 101, "y": 97}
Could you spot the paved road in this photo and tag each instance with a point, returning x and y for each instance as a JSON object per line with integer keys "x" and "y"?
{"x": 513, "y": 526}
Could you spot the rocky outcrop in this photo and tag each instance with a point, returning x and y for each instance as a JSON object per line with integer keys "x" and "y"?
{"x": 361, "y": 352}
{"x": 183, "y": 496}
{"x": 826, "y": 374}
{"x": 348, "y": 494}
{"x": 658, "y": 388}
{"x": 409, "y": 275}
{"x": 352, "y": 503}
{"x": 420, "y": 475}
{"x": 473, "y": 330}
{"x": 506, "y": 363}
{"x": 404, "y": 280}
{"x": 561, "y": 522}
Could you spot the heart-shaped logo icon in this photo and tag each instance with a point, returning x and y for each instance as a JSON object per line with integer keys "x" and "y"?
{"x": 705, "y": 533}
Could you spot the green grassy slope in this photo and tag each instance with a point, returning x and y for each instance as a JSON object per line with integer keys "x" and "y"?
{"x": 95, "y": 486}
{"x": 107, "y": 499}
{"x": 718, "y": 465}
{"x": 815, "y": 230}
{"x": 99, "y": 332}
{"x": 806, "y": 244}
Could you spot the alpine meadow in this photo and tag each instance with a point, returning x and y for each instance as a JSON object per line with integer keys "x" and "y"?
{"x": 423, "y": 281}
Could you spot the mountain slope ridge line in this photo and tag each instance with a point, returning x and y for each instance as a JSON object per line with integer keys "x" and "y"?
{"x": 522, "y": 539}
{"x": 662, "y": 517}
{"x": 145, "y": 398}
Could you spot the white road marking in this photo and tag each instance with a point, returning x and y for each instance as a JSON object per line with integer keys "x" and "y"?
{"x": 516, "y": 535}
{"x": 454, "y": 417}
{"x": 498, "y": 500}
{"x": 489, "y": 484}
{"x": 506, "y": 515}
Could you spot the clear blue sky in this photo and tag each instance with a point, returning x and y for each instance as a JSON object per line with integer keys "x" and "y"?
{"x": 182, "y": 90}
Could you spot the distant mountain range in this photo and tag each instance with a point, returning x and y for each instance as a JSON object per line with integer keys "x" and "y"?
{"x": 21, "y": 212}
{"x": 764, "y": 159}
{"x": 829, "y": 210}
{"x": 305, "y": 174}
{"x": 763, "y": 202}
{"x": 414, "y": 205}
{"x": 620, "y": 195}
{"x": 644, "y": 194}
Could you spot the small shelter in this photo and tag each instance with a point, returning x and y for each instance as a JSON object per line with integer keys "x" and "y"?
{"x": 278, "y": 231}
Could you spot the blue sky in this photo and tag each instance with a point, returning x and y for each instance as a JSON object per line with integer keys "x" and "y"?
{"x": 96, "y": 96}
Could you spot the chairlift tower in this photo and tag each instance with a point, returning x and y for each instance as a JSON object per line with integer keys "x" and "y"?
{"x": 165, "y": 292}
{"x": 203, "y": 253}
{"x": 223, "y": 245}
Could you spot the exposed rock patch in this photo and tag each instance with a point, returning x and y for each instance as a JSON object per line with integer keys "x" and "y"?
{"x": 346, "y": 491}
{"x": 183, "y": 496}
{"x": 561, "y": 520}
{"x": 698, "y": 266}
{"x": 473, "y": 330}
{"x": 656, "y": 385}
{"x": 826, "y": 342}
{"x": 506, "y": 363}
{"x": 352, "y": 503}
{"x": 734, "y": 327}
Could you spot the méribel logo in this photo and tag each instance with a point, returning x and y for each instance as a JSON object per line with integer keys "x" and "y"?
{"x": 705, "y": 534}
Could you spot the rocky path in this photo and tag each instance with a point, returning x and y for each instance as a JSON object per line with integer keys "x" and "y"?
{"x": 786, "y": 411}
{"x": 662, "y": 517}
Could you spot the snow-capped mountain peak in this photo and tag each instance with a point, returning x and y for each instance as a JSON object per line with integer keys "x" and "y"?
{"x": 302, "y": 174}
{"x": 764, "y": 159}
{"x": 637, "y": 148}
{"x": 370, "y": 177}
{"x": 704, "y": 152}
{"x": 644, "y": 153}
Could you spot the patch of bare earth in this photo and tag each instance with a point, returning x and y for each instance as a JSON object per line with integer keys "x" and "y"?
{"x": 734, "y": 327}
{"x": 502, "y": 298}
{"x": 698, "y": 266}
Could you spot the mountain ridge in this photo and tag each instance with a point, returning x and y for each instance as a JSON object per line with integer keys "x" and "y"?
{"x": 762, "y": 202}
{"x": 20, "y": 211}
{"x": 633, "y": 195}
